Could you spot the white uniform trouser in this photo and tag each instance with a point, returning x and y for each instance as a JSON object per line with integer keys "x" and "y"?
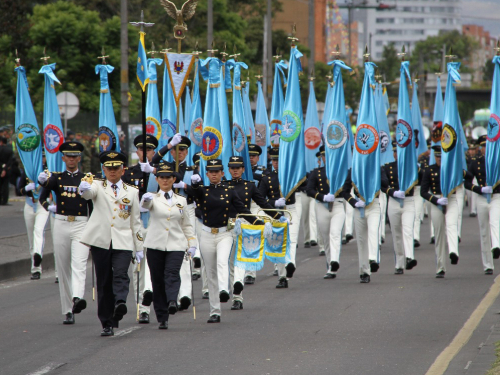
{"x": 383, "y": 211}
{"x": 186, "y": 287}
{"x": 308, "y": 218}
{"x": 367, "y": 235}
{"x": 330, "y": 228}
{"x": 236, "y": 274}
{"x": 349, "y": 219}
{"x": 402, "y": 221}
{"x": 144, "y": 277}
{"x": 445, "y": 227}
{"x": 294, "y": 234}
{"x": 472, "y": 199}
{"x": 419, "y": 213}
{"x": 204, "y": 278}
{"x": 460, "y": 193}
{"x": 71, "y": 258}
{"x": 35, "y": 221}
{"x": 215, "y": 250}
{"x": 488, "y": 215}
{"x": 51, "y": 222}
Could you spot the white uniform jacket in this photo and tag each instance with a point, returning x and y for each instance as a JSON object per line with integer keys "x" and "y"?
{"x": 114, "y": 219}
{"x": 170, "y": 227}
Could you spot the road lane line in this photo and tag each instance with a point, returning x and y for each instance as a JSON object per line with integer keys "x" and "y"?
{"x": 47, "y": 368}
{"x": 462, "y": 337}
{"x": 126, "y": 331}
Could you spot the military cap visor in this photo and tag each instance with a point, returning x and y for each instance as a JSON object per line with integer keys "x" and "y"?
{"x": 214, "y": 165}
{"x": 196, "y": 158}
{"x": 274, "y": 153}
{"x": 184, "y": 143}
{"x": 437, "y": 150}
{"x": 165, "y": 169}
{"x": 71, "y": 148}
{"x": 481, "y": 140}
{"x": 151, "y": 141}
{"x": 112, "y": 159}
{"x": 254, "y": 149}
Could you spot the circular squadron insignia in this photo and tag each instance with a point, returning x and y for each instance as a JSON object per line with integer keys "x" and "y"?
{"x": 28, "y": 137}
{"x": 312, "y": 138}
{"x": 53, "y": 138}
{"x": 336, "y": 134}
{"x": 404, "y": 134}
{"x": 384, "y": 141}
{"x": 107, "y": 139}
{"x": 196, "y": 131}
{"x": 168, "y": 129}
{"x": 437, "y": 130}
{"x": 367, "y": 139}
{"x": 291, "y": 127}
{"x": 211, "y": 146}
{"x": 449, "y": 138}
{"x": 153, "y": 127}
{"x": 275, "y": 132}
{"x": 239, "y": 138}
{"x": 493, "y": 133}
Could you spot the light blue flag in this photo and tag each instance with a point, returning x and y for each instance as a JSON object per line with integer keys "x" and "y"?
{"x": 53, "y": 134}
{"x": 153, "y": 116}
{"x": 407, "y": 158}
{"x": 277, "y": 102}
{"x": 493, "y": 135}
{"x": 366, "y": 158}
{"x": 348, "y": 113}
{"x": 418, "y": 128}
{"x": 337, "y": 145}
{"x": 386, "y": 101}
{"x": 28, "y": 138}
{"x": 326, "y": 108}
{"x": 168, "y": 114}
{"x": 312, "y": 134}
{"x": 386, "y": 153}
{"x": 182, "y": 130}
{"x": 249, "y": 250}
{"x": 451, "y": 158}
{"x": 187, "y": 111}
{"x": 142, "y": 69}
{"x": 437, "y": 120}
{"x": 194, "y": 123}
{"x": 261, "y": 133}
{"x": 250, "y": 126}
{"x": 108, "y": 133}
{"x": 292, "y": 163}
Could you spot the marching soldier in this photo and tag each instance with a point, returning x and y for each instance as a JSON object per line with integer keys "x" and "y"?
{"x": 113, "y": 233}
{"x": 471, "y": 158}
{"x": 423, "y": 163}
{"x": 71, "y": 216}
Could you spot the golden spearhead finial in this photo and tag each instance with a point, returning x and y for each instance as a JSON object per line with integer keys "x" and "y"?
{"x": 337, "y": 52}
{"x": 234, "y": 55}
{"x": 166, "y": 49}
{"x": 45, "y": 57}
{"x": 277, "y": 57}
{"x": 377, "y": 75}
{"x": 213, "y": 50}
{"x": 402, "y": 53}
{"x": 152, "y": 52}
{"x": 294, "y": 32}
{"x": 17, "y": 60}
{"x": 416, "y": 78}
{"x": 312, "y": 78}
{"x": 103, "y": 56}
{"x": 366, "y": 54}
{"x": 450, "y": 55}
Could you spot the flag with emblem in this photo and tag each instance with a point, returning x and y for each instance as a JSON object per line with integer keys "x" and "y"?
{"x": 153, "y": 116}
{"x": 418, "y": 128}
{"x": 194, "y": 118}
{"x": 250, "y": 126}
{"x": 179, "y": 67}
{"x": 108, "y": 133}
{"x": 53, "y": 135}
{"x": 277, "y": 247}
{"x": 386, "y": 154}
{"x": 437, "y": 120}
{"x": 187, "y": 110}
{"x": 292, "y": 163}
{"x": 493, "y": 133}
{"x": 142, "y": 68}
{"x": 452, "y": 165}
{"x": 261, "y": 133}
{"x": 407, "y": 158}
{"x": 312, "y": 134}
{"x": 28, "y": 138}
{"x": 168, "y": 114}
{"x": 336, "y": 135}
{"x": 366, "y": 157}
{"x": 277, "y": 102}
{"x": 249, "y": 254}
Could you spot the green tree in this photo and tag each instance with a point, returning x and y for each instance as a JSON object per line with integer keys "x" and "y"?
{"x": 390, "y": 64}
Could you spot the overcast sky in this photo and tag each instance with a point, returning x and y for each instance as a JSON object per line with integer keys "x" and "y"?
{"x": 482, "y": 12}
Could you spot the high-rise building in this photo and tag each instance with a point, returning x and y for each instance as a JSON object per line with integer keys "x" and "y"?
{"x": 484, "y": 53}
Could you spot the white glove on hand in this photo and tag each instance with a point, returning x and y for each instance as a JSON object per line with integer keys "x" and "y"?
{"x": 146, "y": 168}
{"x": 52, "y": 208}
{"x": 84, "y": 186}
{"x": 31, "y": 186}
{"x": 195, "y": 178}
{"x": 399, "y": 194}
{"x": 139, "y": 255}
{"x": 284, "y": 219}
{"x": 176, "y": 139}
{"x": 484, "y": 190}
{"x": 179, "y": 185}
{"x": 191, "y": 251}
{"x": 43, "y": 177}
{"x": 330, "y": 198}
{"x": 280, "y": 202}
{"x": 443, "y": 201}
{"x": 147, "y": 197}
{"x": 360, "y": 204}
{"x": 143, "y": 210}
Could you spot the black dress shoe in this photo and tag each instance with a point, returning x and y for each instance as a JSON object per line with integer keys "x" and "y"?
{"x": 147, "y": 298}
{"x": 185, "y": 302}
{"x": 314, "y": 243}
{"x": 195, "y": 276}
{"x": 374, "y": 266}
{"x": 249, "y": 280}
{"x": 282, "y": 283}
{"x": 107, "y": 331}
{"x": 237, "y": 288}
{"x": 57, "y": 280}
{"x": 172, "y": 307}
{"x": 488, "y": 271}
{"x": 348, "y": 237}
{"x": 307, "y": 245}
{"x": 344, "y": 241}
{"x": 120, "y": 310}
{"x": 205, "y": 295}
{"x": 37, "y": 260}
{"x": 214, "y": 319}
{"x": 416, "y": 243}
{"x": 329, "y": 276}
{"x": 144, "y": 318}
{"x": 399, "y": 271}
{"x": 223, "y": 296}
{"x": 364, "y": 278}
{"x": 275, "y": 273}
{"x": 322, "y": 253}
{"x": 290, "y": 269}
{"x": 70, "y": 319}
{"x": 440, "y": 274}
{"x": 196, "y": 262}
{"x": 163, "y": 325}
{"x": 454, "y": 258}
{"x": 237, "y": 305}
{"x": 382, "y": 240}
{"x": 79, "y": 304}
{"x": 426, "y": 215}
{"x": 472, "y": 214}
{"x": 496, "y": 252}
{"x": 432, "y": 240}
{"x": 459, "y": 240}
{"x": 35, "y": 276}
{"x": 334, "y": 266}
{"x": 410, "y": 263}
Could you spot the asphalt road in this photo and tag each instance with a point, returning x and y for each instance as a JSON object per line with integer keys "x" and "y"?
{"x": 394, "y": 325}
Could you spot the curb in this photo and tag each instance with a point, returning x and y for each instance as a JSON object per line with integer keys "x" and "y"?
{"x": 22, "y": 267}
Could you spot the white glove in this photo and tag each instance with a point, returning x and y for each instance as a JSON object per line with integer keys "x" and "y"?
{"x": 191, "y": 251}
{"x": 147, "y": 197}
{"x": 195, "y": 178}
{"x": 84, "y": 186}
{"x": 399, "y": 194}
{"x": 330, "y": 198}
{"x": 443, "y": 201}
{"x": 52, "y": 208}
{"x": 280, "y": 202}
{"x": 360, "y": 204}
{"x": 43, "y": 177}
{"x": 146, "y": 168}
{"x": 179, "y": 185}
{"x": 284, "y": 219}
{"x": 139, "y": 255}
{"x": 143, "y": 210}
{"x": 484, "y": 190}
{"x": 31, "y": 186}
{"x": 176, "y": 139}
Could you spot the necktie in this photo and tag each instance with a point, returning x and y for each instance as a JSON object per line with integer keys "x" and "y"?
{"x": 167, "y": 197}
{"x": 115, "y": 188}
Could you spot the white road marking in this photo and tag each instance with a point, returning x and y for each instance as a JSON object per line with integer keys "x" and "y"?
{"x": 13, "y": 284}
{"x": 47, "y": 368}
{"x": 126, "y": 331}
{"x": 305, "y": 260}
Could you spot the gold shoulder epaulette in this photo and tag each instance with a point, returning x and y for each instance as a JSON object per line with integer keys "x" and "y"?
{"x": 98, "y": 178}
{"x": 135, "y": 187}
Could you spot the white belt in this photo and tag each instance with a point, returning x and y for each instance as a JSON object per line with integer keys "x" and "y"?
{"x": 214, "y": 230}
{"x": 71, "y": 218}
